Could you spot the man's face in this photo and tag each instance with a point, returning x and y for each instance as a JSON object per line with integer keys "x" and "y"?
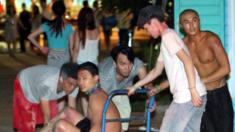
{"x": 190, "y": 23}
{"x": 86, "y": 80}
{"x": 123, "y": 65}
{"x": 152, "y": 28}
{"x": 68, "y": 85}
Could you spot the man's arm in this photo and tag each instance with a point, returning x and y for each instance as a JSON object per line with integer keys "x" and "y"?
{"x": 221, "y": 58}
{"x": 32, "y": 38}
{"x": 45, "y": 107}
{"x": 154, "y": 73}
{"x": 189, "y": 69}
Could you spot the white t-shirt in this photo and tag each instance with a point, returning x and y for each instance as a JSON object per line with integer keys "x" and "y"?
{"x": 170, "y": 45}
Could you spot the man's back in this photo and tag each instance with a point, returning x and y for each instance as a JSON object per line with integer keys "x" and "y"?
{"x": 95, "y": 108}
{"x": 204, "y": 56}
{"x": 38, "y": 80}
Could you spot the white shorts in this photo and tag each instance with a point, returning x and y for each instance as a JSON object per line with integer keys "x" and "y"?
{"x": 123, "y": 104}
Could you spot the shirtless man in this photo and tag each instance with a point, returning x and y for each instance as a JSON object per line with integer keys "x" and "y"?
{"x": 212, "y": 64}
{"x": 72, "y": 121}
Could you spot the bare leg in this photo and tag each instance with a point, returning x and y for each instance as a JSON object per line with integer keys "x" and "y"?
{"x": 63, "y": 125}
{"x": 49, "y": 126}
{"x": 107, "y": 35}
{"x": 14, "y": 46}
{"x": 9, "y": 49}
{"x": 68, "y": 114}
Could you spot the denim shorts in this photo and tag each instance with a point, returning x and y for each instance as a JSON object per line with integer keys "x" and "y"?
{"x": 183, "y": 117}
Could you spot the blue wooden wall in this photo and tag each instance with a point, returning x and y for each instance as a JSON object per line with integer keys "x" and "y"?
{"x": 211, "y": 14}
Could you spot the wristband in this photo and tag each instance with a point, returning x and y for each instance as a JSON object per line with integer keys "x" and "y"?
{"x": 158, "y": 88}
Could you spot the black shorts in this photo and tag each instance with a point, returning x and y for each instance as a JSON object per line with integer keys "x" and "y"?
{"x": 218, "y": 116}
{"x": 84, "y": 125}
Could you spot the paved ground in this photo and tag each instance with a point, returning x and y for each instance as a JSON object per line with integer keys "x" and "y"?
{"x": 9, "y": 68}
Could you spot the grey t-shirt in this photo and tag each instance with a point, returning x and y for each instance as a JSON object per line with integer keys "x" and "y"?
{"x": 41, "y": 82}
{"x": 107, "y": 73}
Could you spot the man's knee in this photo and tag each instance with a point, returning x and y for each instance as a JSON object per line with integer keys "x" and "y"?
{"x": 60, "y": 126}
{"x": 71, "y": 115}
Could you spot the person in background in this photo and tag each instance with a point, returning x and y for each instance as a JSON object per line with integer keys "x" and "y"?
{"x": 24, "y": 26}
{"x": 211, "y": 61}
{"x": 108, "y": 21}
{"x": 72, "y": 121}
{"x": 123, "y": 23}
{"x": 36, "y": 90}
{"x": 189, "y": 93}
{"x": 46, "y": 12}
{"x": 84, "y": 45}
{"x": 10, "y": 30}
{"x": 36, "y": 20}
{"x": 97, "y": 13}
{"x": 58, "y": 33}
{"x": 85, "y": 4}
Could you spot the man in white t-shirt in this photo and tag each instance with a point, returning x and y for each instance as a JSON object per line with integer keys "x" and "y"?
{"x": 189, "y": 94}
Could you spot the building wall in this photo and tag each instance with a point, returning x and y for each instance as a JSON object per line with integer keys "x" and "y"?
{"x": 230, "y": 41}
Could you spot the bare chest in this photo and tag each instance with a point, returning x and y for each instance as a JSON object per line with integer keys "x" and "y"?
{"x": 201, "y": 52}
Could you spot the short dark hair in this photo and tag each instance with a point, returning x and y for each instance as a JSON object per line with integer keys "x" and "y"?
{"x": 124, "y": 50}
{"x": 89, "y": 66}
{"x": 69, "y": 70}
{"x": 149, "y": 12}
{"x": 189, "y": 10}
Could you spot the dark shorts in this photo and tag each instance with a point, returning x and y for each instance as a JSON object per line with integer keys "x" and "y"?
{"x": 84, "y": 125}
{"x": 218, "y": 116}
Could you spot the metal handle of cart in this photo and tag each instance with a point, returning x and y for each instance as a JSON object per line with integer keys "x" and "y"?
{"x": 124, "y": 92}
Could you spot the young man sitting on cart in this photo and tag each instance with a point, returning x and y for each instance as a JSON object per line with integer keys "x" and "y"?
{"x": 72, "y": 121}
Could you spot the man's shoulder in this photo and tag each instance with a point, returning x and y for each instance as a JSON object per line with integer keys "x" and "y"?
{"x": 211, "y": 37}
{"x": 98, "y": 98}
{"x": 97, "y": 94}
{"x": 138, "y": 62}
{"x": 169, "y": 34}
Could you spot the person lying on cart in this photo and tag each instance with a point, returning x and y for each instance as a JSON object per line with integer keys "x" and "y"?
{"x": 71, "y": 120}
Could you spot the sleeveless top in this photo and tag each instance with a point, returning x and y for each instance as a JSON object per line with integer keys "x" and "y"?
{"x": 90, "y": 52}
